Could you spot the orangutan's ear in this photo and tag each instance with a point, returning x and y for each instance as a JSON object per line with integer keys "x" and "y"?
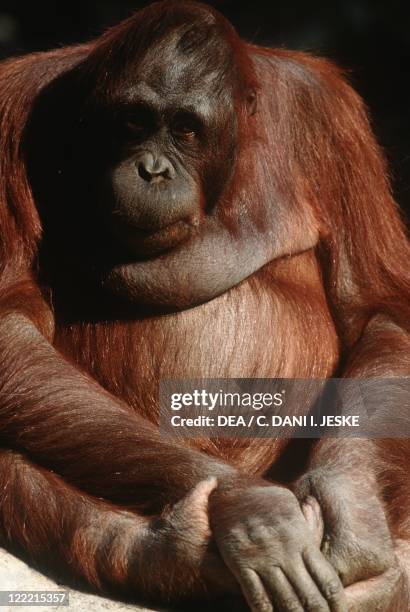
{"x": 252, "y": 102}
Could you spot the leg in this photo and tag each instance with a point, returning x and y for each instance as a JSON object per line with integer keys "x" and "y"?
{"x": 61, "y": 529}
{"x": 343, "y": 481}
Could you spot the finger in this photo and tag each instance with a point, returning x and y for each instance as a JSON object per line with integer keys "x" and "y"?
{"x": 191, "y": 512}
{"x": 314, "y": 518}
{"x": 281, "y": 591}
{"x": 197, "y": 499}
{"x": 378, "y": 593}
{"x": 326, "y": 579}
{"x": 402, "y": 552}
{"x": 254, "y": 591}
{"x": 308, "y": 592}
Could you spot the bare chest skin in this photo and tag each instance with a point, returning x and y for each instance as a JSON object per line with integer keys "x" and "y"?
{"x": 268, "y": 326}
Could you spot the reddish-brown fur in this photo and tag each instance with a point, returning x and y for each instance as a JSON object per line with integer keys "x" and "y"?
{"x": 78, "y": 401}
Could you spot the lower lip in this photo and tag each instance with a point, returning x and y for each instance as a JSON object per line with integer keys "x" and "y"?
{"x": 155, "y": 242}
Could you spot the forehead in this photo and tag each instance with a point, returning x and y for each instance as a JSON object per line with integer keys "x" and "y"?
{"x": 165, "y": 73}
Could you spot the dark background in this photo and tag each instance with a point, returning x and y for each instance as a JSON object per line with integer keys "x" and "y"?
{"x": 371, "y": 38}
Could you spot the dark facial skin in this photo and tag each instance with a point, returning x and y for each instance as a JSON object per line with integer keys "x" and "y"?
{"x": 170, "y": 124}
{"x": 177, "y": 153}
{"x": 178, "y": 149}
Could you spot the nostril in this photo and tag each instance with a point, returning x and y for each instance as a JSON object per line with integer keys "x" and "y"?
{"x": 144, "y": 173}
{"x": 154, "y": 169}
{"x": 152, "y": 176}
